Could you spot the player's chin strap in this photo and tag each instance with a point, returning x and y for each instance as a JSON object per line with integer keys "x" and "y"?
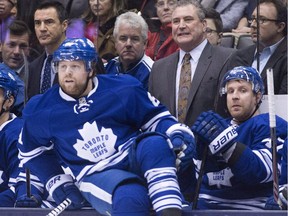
{"x": 250, "y": 116}
{"x": 3, "y": 110}
{"x": 86, "y": 85}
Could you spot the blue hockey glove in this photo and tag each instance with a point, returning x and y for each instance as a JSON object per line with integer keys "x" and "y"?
{"x": 282, "y": 203}
{"x": 182, "y": 140}
{"x": 61, "y": 187}
{"x": 28, "y": 202}
{"x": 211, "y": 129}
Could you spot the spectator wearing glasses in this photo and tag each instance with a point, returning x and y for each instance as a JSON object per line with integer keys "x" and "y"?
{"x": 272, "y": 53}
{"x": 214, "y": 28}
{"x": 160, "y": 43}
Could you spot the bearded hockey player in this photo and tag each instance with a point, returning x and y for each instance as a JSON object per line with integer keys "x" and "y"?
{"x": 238, "y": 171}
{"x": 112, "y": 138}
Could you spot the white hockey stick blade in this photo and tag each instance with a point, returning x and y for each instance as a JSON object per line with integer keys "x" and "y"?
{"x": 60, "y": 208}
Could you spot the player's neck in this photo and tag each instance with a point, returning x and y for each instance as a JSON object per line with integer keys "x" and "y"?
{"x": 4, "y": 117}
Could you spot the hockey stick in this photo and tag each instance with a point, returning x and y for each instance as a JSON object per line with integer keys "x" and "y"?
{"x": 200, "y": 176}
{"x": 26, "y": 71}
{"x": 60, "y": 208}
{"x": 272, "y": 124}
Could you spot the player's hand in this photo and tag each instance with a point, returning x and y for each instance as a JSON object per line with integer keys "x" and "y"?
{"x": 28, "y": 202}
{"x": 211, "y": 129}
{"x": 61, "y": 187}
{"x": 182, "y": 140}
{"x": 282, "y": 203}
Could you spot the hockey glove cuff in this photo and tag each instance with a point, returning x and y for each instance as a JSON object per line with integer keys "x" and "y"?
{"x": 61, "y": 187}
{"x": 183, "y": 143}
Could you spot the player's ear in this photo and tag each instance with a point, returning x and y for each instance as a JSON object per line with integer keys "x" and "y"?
{"x": 9, "y": 103}
{"x": 258, "y": 97}
{"x": 91, "y": 74}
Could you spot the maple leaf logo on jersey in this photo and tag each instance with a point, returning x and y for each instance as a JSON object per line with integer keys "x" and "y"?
{"x": 96, "y": 145}
{"x": 221, "y": 178}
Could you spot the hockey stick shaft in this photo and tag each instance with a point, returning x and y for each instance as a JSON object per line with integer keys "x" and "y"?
{"x": 60, "y": 208}
{"x": 26, "y": 71}
{"x": 272, "y": 124}
{"x": 200, "y": 176}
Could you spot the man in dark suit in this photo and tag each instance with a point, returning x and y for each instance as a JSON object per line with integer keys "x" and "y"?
{"x": 50, "y": 23}
{"x": 14, "y": 47}
{"x": 207, "y": 65}
{"x": 272, "y": 44}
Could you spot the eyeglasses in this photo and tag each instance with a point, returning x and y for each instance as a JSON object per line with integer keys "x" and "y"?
{"x": 161, "y": 4}
{"x": 262, "y": 20}
{"x": 210, "y": 31}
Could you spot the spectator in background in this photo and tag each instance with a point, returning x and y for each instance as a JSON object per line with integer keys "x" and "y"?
{"x": 130, "y": 34}
{"x": 26, "y": 14}
{"x": 5, "y": 16}
{"x": 272, "y": 51}
{"x": 214, "y": 30}
{"x": 147, "y": 10}
{"x": 100, "y": 24}
{"x": 76, "y": 10}
{"x": 243, "y": 26}
{"x": 231, "y": 11}
{"x": 50, "y": 21}
{"x": 207, "y": 66}
{"x": 14, "y": 49}
{"x": 160, "y": 43}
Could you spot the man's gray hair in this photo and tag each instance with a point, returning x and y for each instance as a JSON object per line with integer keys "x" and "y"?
{"x": 134, "y": 20}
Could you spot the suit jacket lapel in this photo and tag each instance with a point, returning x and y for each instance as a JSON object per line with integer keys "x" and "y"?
{"x": 202, "y": 67}
{"x": 280, "y": 51}
{"x": 171, "y": 77}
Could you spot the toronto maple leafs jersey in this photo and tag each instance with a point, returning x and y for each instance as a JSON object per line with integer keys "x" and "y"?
{"x": 92, "y": 133}
{"x": 247, "y": 182}
{"x": 140, "y": 71}
{"x": 9, "y": 132}
{"x": 12, "y": 178}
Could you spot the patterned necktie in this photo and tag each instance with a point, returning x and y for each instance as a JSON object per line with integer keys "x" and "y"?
{"x": 184, "y": 87}
{"x": 46, "y": 83}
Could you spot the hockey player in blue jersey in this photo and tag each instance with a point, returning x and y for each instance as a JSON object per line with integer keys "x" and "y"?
{"x": 112, "y": 138}
{"x": 12, "y": 178}
{"x": 238, "y": 170}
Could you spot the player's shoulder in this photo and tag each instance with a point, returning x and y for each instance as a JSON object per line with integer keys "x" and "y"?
{"x": 111, "y": 65}
{"x": 170, "y": 58}
{"x": 121, "y": 85}
{"x": 42, "y": 102}
{"x": 117, "y": 81}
